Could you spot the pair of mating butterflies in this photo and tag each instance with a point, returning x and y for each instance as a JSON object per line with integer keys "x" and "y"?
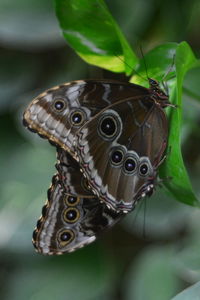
{"x": 110, "y": 138}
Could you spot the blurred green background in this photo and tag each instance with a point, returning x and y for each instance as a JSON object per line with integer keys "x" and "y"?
{"x": 154, "y": 253}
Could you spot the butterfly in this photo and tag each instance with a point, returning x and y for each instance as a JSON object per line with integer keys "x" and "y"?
{"x": 111, "y": 138}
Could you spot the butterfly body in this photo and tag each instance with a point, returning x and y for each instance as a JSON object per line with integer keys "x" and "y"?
{"x": 110, "y": 138}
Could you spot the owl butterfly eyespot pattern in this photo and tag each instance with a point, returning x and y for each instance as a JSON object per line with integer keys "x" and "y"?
{"x": 110, "y": 138}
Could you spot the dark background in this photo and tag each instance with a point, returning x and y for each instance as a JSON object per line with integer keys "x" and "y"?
{"x": 154, "y": 252}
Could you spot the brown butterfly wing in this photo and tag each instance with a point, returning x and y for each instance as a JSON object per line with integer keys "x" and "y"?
{"x": 120, "y": 149}
{"x": 72, "y": 217}
{"x": 70, "y": 176}
{"x": 58, "y": 113}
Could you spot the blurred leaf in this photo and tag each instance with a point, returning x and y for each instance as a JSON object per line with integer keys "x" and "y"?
{"x": 28, "y": 24}
{"x": 191, "y": 83}
{"x": 187, "y": 262}
{"x": 14, "y": 213}
{"x": 173, "y": 167}
{"x": 36, "y": 160}
{"x": 134, "y": 17}
{"x": 17, "y": 74}
{"x": 152, "y": 276}
{"x": 91, "y": 31}
{"x": 187, "y": 259}
{"x": 23, "y": 192}
{"x": 191, "y": 293}
{"x": 81, "y": 275}
{"x": 159, "y": 217}
{"x": 74, "y": 69}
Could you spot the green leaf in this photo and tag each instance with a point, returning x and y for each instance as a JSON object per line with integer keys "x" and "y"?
{"x": 191, "y": 293}
{"x": 179, "y": 184}
{"x": 91, "y": 31}
{"x": 156, "y": 64}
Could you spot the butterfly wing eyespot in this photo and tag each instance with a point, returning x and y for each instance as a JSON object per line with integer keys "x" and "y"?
{"x": 59, "y": 105}
{"x": 65, "y": 237}
{"x": 130, "y": 164}
{"x": 145, "y": 168}
{"x": 110, "y": 125}
{"x": 72, "y": 200}
{"x": 77, "y": 117}
{"x": 71, "y": 215}
{"x": 117, "y": 156}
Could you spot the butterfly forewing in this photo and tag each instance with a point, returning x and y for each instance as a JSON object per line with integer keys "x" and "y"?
{"x": 58, "y": 113}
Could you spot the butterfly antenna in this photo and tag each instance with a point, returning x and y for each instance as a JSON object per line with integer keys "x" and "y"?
{"x": 170, "y": 67}
{"x": 132, "y": 69}
{"x": 125, "y": 62}
{"x": 165, "y": 86}
{"x": 139, "y": 206}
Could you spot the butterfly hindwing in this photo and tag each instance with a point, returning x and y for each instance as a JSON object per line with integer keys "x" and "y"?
{"x": 70, "y": 220}
{"x": 120, "y": 149}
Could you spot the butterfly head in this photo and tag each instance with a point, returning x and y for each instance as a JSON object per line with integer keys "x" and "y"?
{"x": 158, "y": 95}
